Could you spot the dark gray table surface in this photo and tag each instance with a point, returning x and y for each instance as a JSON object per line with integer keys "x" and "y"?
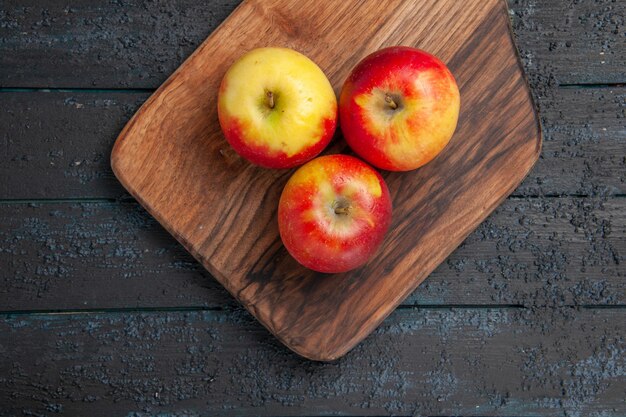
{"x": 102, "y": 313}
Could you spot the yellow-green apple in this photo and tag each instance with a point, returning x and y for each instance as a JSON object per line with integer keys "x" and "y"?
{"x": 399, "y": 108}
{"x": 333, "y": 213}
{"x": 276, "y": 107}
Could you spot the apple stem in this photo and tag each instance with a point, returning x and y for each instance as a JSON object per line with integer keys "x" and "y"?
{"x": 342, "y": 210}
{"x": 390, "y": 102}
{"x": 270, "y": 99}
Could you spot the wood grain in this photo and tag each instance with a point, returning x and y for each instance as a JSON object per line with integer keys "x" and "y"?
{"x": 420, "y": 362}
{"x": 172, "y": 157}
{"x": 57, "y": 143}
{"x": 473, "y": 361}
{"x": 530, "y": 252}
{"x": 556, "y": 37}
{"x": 137, "y": 44}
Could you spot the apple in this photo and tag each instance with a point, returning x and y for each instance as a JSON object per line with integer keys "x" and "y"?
{"x": 276, "y": 108}
{"x": 399, "y": 108}
{"x": 333, "y": 213}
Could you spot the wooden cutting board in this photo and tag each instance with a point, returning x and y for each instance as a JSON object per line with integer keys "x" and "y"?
{"x": 173, "y": 159}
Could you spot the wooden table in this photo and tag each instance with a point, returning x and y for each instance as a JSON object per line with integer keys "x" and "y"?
{"x": 103, "y": 313}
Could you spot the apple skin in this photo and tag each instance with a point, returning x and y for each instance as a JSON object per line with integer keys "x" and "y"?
{"x": 334, "y": 213}
{"x": 292, "y": 128}
{"x": 427, "y": 102}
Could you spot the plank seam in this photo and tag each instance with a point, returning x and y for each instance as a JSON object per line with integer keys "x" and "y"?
{"x": 130, "y": 200}
{"x": 76, "y": 90}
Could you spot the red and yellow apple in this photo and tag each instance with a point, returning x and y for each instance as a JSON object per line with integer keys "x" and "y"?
{"x": 333, "y": 213}
{"x": 399, "y": 108}
{"x": 276, "y": 108}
